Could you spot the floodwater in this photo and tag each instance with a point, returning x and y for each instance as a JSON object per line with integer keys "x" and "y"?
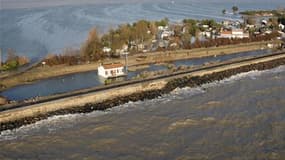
{"x": 85, "y": 80}
{"x": 242, "y": 117}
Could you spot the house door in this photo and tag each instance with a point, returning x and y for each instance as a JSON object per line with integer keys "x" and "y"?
{"x": 113, "y": 72}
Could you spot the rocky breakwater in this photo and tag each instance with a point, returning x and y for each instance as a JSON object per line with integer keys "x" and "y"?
{"x": 190, "y": 81}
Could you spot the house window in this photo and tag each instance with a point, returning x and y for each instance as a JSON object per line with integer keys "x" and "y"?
{"x": 118, "y": 71}
{"x": 106, "y": 72}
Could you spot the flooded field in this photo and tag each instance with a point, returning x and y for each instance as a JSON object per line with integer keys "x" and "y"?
{"x": 242, "y": 117}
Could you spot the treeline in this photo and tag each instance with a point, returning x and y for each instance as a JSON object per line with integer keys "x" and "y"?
{"x": 69, "y": 56}
{"x": 129, "y": 35}
{"x": 226, "y": 41}
{"x": 277, "y": 13}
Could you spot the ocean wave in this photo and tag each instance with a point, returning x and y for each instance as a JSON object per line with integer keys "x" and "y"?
{"x": 54, "y": 123}
{"x": 49, "y": 125}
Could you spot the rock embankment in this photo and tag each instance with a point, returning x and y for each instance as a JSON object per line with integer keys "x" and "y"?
{"x": 171, "y": 85}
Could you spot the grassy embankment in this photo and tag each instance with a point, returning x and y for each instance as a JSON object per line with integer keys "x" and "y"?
{"x": 38, "y": 73}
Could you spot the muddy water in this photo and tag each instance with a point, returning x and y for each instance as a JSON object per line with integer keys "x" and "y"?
{"x": 242, "y": 117}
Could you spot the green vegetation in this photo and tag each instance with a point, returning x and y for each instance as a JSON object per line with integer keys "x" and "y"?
{"x": 108, "y": 81}
{"x": 263, "y": 12}
{"x": 92, "y": 48}
{"x": 14, "y": 61}
{"x": 164, "y": 22}
{"x": 146, "y": 35}
{"x": 278, "y": 14}
{"x": 191, "y": 27}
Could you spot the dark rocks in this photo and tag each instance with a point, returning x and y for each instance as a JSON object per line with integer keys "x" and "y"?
{"x": 171, "y": 85}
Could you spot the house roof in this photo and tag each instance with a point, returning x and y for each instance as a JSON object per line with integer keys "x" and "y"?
{"x": 112, "y": 65}
{"x": 226, "y": 32}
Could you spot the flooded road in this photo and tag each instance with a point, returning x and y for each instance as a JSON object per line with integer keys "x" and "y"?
{"x": 242, "y": 117}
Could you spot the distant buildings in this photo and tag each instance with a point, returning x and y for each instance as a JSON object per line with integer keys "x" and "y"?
{"x": 107, "y": 49}
{"x": 234, "y": 33}
{"x": 165, "y": 32}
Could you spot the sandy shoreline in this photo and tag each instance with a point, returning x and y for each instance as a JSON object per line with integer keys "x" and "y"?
{"x": 39, "y": 73}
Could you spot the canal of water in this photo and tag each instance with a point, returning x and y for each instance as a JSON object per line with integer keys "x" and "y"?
{"x": 84, "y": 80}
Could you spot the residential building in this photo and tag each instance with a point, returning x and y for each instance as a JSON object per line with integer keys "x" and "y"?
{"x": 234, "y": 33}
{"x": 111, "y": 70}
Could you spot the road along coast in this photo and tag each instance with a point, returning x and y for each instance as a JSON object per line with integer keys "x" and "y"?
{"x": 38, "y": 73}
{"x": 106, "y": 97}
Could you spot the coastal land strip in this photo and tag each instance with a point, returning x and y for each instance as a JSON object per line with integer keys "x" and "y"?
{"x": 133, "y": 91}
{"x": 39, "y": 72}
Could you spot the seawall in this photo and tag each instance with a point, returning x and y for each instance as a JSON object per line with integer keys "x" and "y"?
{"x": 103, "y": 99}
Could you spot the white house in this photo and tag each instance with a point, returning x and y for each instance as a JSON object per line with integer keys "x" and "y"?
{"x": 166, "y": 34}
{"x": 107, "y": 49}
{"x": 111, "y": 70}
{"x": 123, "y": 49}
{"x": 281, "y": 26}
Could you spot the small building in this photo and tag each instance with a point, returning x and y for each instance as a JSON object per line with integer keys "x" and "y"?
{"x": 166, "y": 34}
{"x": 235, "y": 33}
{"x": 225, "y": 34}
{"x": 107, "y": 49}
{"x": 281, "y": 26}
{"x": 111, "y": 70}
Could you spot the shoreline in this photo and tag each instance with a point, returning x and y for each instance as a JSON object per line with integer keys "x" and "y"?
{"x": 41, "y": 73}
{"x": 185, "y": 81}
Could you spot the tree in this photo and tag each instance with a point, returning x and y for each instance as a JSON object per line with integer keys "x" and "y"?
{"x": 92, "y": 48}
{"x": 164, "y": 22}
{"x": 140, "y": 31}
{"x": 11, "y": 55}
{"x": 251, "y": 21}
{"x": 235, "y": 9}
{"x": 224, "y": 11}
{"x": 191, "y": 26}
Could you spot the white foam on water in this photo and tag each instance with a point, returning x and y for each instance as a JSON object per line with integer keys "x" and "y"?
{"x": 54, "y": 123}
{"x": 251, "y": 74}
{"x": 49, "y": 125}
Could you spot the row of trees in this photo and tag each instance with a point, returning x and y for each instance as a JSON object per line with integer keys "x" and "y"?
{"x": 140, "y": 32}
{"x": 227, "y": 41}
{"x": 131, "y": 35}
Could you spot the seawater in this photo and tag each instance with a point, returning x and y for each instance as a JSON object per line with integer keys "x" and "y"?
{"x": 241, "y": 117}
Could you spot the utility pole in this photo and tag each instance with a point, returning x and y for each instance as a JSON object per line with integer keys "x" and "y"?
{"x": 126, "y": 61}
{"x": 0, "y": 57}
